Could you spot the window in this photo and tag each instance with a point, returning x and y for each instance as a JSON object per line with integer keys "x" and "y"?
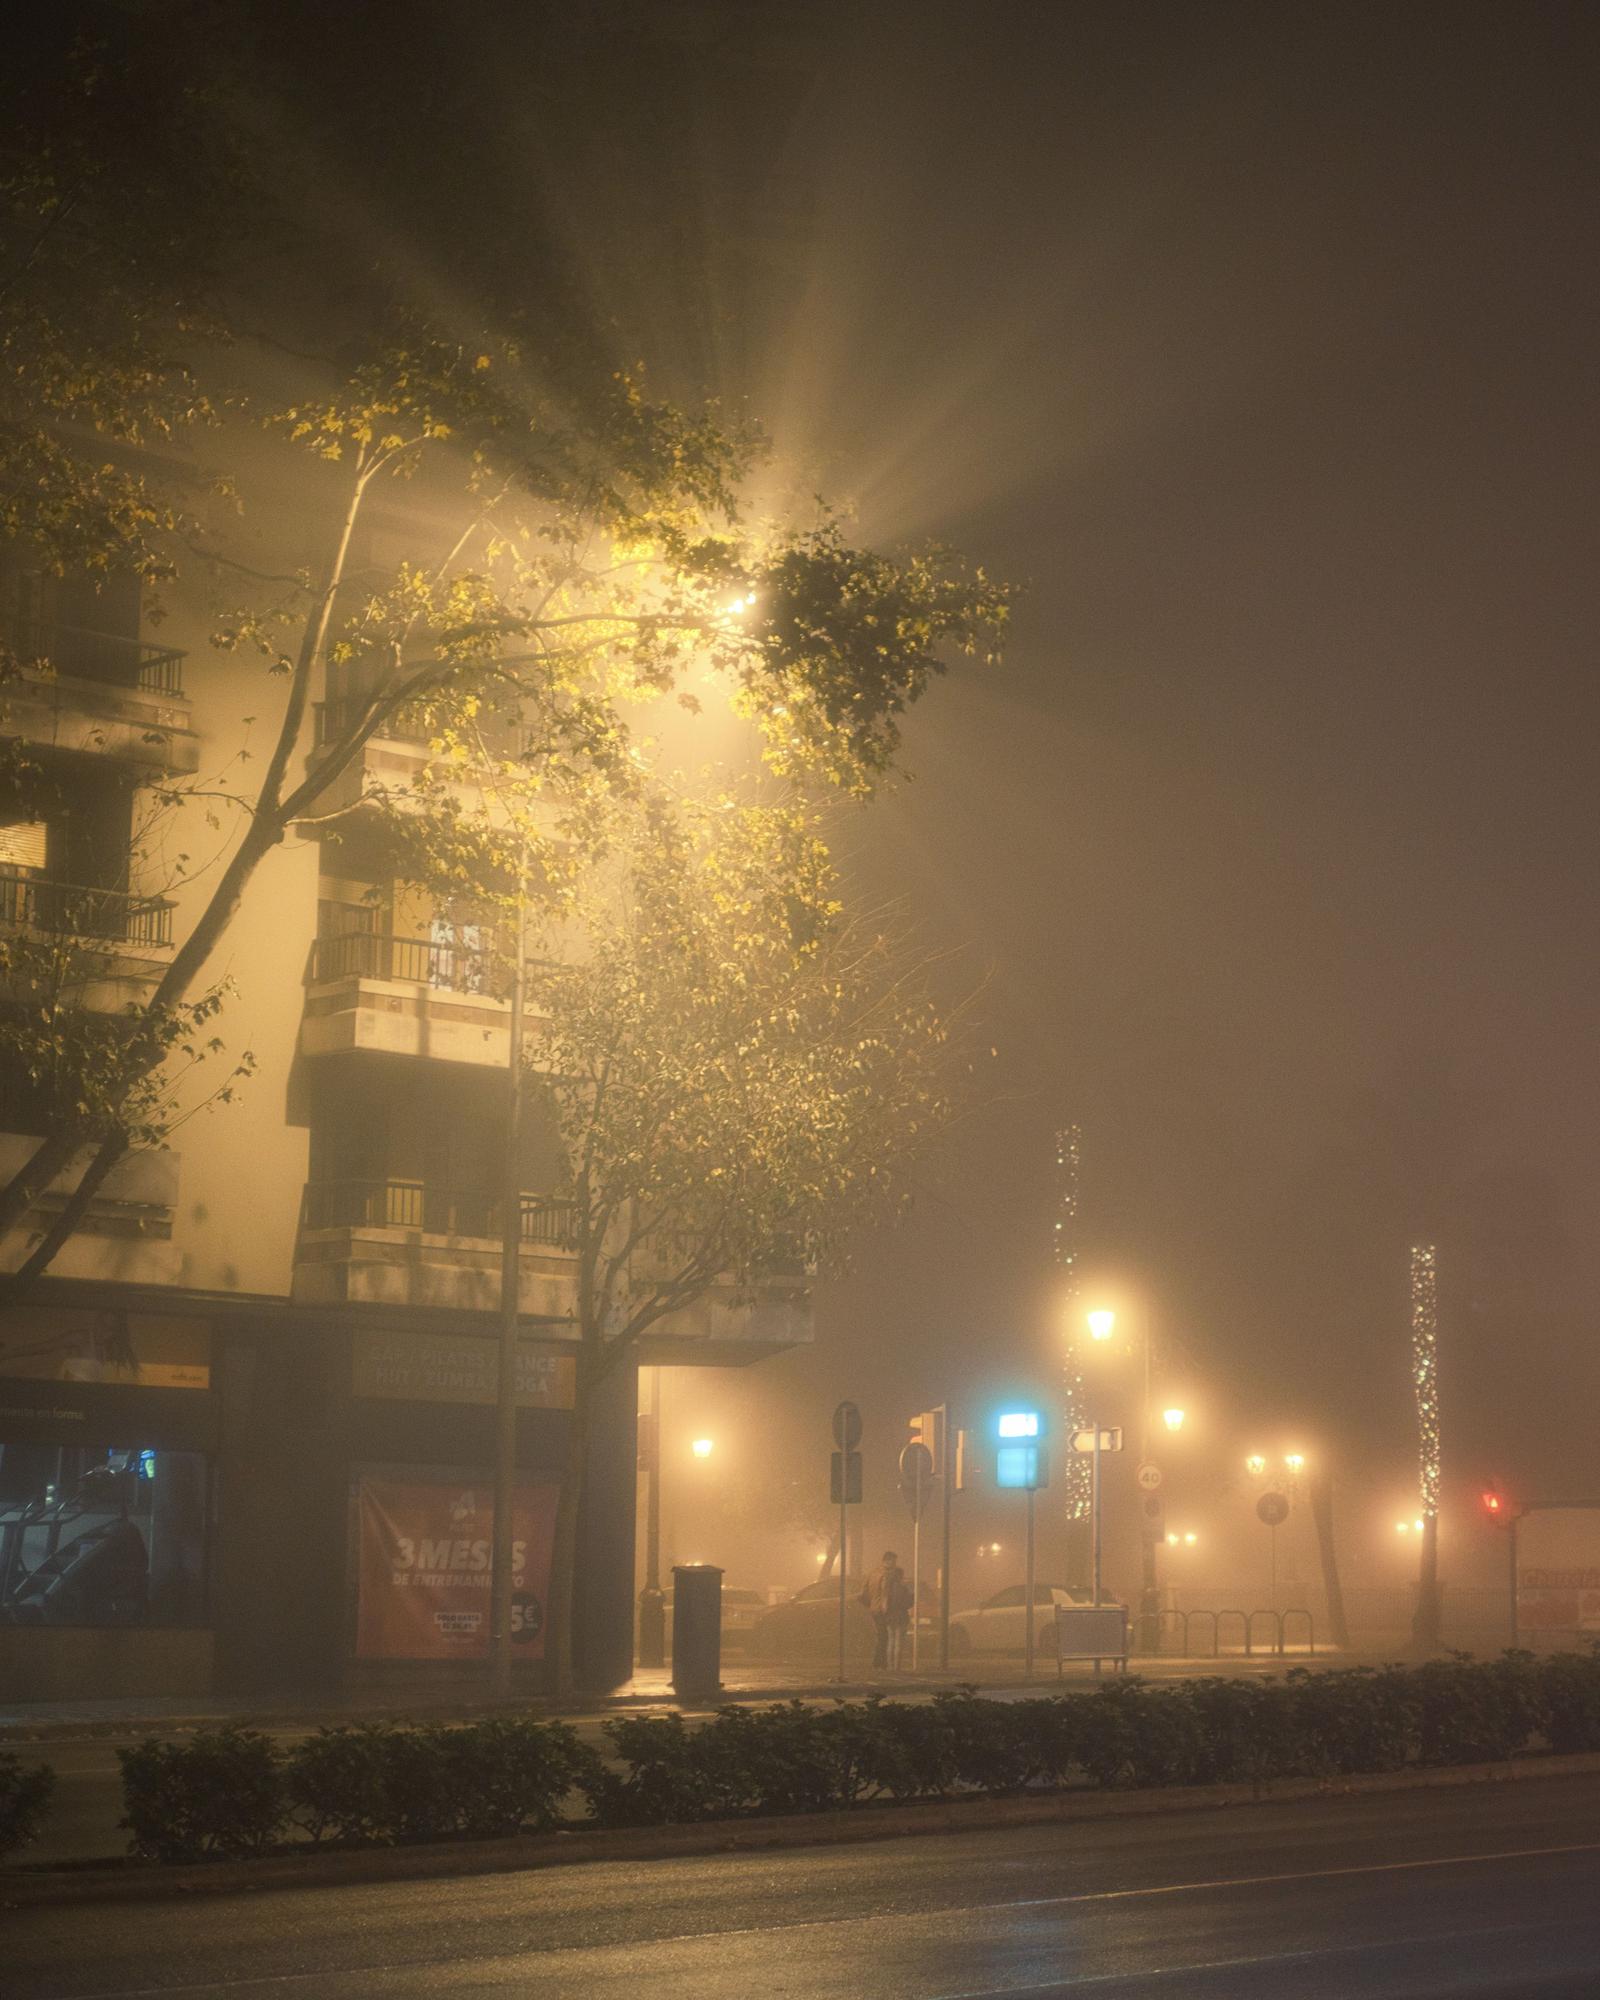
{"x": 101, "y": 1537}
{"x": 22, "y": 843}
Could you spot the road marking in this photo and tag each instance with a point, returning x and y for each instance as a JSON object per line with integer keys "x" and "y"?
{"x": 1087, "y": 1979}
{"x": 865, "y": 1917}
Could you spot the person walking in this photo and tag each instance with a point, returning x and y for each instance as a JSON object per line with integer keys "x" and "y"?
{"x": 887, "y": 1595}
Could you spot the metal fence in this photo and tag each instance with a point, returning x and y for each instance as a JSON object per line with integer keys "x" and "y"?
{"x": 454, "y": 968}
{"x": 115, "y": 659}
{"x": 67, "y": 909}
{"x": 434, "y": 1210}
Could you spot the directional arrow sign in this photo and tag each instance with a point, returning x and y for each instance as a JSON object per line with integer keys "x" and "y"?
{"x": 1110, "y": 1439}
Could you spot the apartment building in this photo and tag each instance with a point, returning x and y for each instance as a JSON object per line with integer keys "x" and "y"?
{"x": 246, "y": 1418}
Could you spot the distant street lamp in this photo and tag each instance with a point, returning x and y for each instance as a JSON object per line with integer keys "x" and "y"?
{"x": 1102, "y": 1323}
{"x": 1295, "y": 1461}
{"x": 1173, "y": 1419}
{"x": 1191, "y": 1538}
{"x": 701, "y": 1447}
{"x": 1255, "y": 1465}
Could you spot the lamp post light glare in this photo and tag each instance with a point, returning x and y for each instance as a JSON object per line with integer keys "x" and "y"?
{"x": 1173, "y": 1419}
{"x": 1172, "y": 1541}
{"x": 1191, "y": 1538}
{"x": 1102, "y": 1323}
{"x": 701, "y": 1447}
{"x": 1294, "y": 1460}
{"x": 1255, "y": 1465}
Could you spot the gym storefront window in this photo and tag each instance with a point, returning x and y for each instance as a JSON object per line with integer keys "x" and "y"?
{"x": 95, "y": 1536}
{"x": 104, "y": 1493}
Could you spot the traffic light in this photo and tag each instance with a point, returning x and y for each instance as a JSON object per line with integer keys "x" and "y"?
{"x": 928, "y": 1429}
{"x": 1493, "y": 1505}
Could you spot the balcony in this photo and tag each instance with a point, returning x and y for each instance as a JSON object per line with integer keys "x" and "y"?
{"x": 407, "y": 996}
{"x": 393, "y": 757}
{"x": 101, "y": 693}
{"x": 65, "y": 909}
{"x": 408, "y": 1242}
{"x": 114, "y": 945}
{"x": 127, "y": 1230}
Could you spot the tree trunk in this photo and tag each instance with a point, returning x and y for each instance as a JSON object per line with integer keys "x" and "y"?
{"x": 1332, "y": 1589}
{"x": 16, "y": 1286}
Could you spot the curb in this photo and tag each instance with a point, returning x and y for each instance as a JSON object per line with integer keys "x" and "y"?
{"x": 453, "y": 1711}
{"x": 597, "y": 1709}
{"x": 149, "y": 1882}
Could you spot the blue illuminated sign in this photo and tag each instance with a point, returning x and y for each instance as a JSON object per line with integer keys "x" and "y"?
{"x": 1019, "y": 1424}
{"x": 1017, "y": 1466}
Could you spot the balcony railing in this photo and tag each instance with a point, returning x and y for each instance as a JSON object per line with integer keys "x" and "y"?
{"x": 437, "y": 1211}
{"x": 65, "y": 909}
{"x": 113, "y": 658}
{"x": 412, "y": 722}
{"x": 453, "y": 968}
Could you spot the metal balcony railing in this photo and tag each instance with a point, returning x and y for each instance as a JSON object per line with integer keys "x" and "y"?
{"x": 412, "y": 722}
{"x": 113, "y": 658}
{"x": 452, "y": 968}
{"x": 68, "y": 910}
{"x": 435, "y": 1210}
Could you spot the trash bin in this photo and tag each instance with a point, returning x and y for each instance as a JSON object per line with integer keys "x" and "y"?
{"x": 696, "y": 1629}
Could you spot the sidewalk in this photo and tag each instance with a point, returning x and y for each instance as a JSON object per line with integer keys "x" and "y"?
{"x": 650, "y": 1688}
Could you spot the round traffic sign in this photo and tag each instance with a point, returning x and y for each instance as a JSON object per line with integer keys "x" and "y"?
{"x": 847, "y": 1427}
{"x": 916, "y": 1463}
{"x": 1273, "y": 1508}
{"x": 1148, "y": 1476}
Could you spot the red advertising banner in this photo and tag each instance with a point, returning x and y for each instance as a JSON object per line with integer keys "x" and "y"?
{"x": 423, "y": 1581}
{"x": 1558, "y": 1570}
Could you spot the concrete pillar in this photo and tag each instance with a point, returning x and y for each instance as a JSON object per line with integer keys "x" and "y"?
{"x": 607, "y": 1517}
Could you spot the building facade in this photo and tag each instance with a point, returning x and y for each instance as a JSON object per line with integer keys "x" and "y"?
{"x": 246, "y": 1418}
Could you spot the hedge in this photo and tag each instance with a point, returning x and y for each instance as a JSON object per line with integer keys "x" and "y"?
{"x": 235, "y": 1793}
{"x": 24, "y": 1797}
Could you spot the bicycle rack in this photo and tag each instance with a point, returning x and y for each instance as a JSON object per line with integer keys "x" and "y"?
{"x": 1201, "y": 1613}
{"x": 1250, "y": 1631}
{"x": 1311, "y": 1633}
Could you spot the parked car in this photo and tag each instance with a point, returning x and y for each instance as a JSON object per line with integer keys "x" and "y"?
{"x": 807, "y": 1626}
{"x": 740, "y": 1611}
{"x": 1000, "y": 1624}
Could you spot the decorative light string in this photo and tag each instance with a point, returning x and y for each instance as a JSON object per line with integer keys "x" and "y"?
{"x": 1425, "y": 1369}
{"x": 1078, "y": 1475}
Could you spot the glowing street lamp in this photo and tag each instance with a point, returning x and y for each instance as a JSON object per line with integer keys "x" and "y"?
{"x": 1173, "y": 1419}
{"x": 1255, "y": 1465}
{"x": 1295, "y": 1461}
{"x": 1191, "y": 1538}
{"x": 701, "y": 1447}
{"x": 1102, "y": 1323}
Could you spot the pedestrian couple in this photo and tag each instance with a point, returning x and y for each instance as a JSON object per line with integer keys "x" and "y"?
{"x": 887, "y": 1595}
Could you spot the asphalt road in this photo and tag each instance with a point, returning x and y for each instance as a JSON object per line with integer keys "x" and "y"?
{"x": 1488, "y": 1890}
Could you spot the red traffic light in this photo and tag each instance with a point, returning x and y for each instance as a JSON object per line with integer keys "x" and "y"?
{"x": 1491, "y": 1502}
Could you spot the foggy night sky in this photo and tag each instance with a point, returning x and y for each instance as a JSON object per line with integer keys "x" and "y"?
{"x": 1258, "y": 342}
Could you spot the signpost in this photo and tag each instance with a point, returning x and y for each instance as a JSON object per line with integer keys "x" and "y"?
{"x": 1149, "y": 1477}
{"x": 1273, "y": 1508}
{"x": 1023, "y": 1460}
{"x": 846, "y": 1488}
{"x": 916, "y": 1465}
{"x": 1099, "y": 1439}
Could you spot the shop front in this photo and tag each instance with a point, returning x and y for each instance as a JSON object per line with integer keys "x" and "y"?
{"x": 274, "y": 1500}
{"x": 107, "y": 1453}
